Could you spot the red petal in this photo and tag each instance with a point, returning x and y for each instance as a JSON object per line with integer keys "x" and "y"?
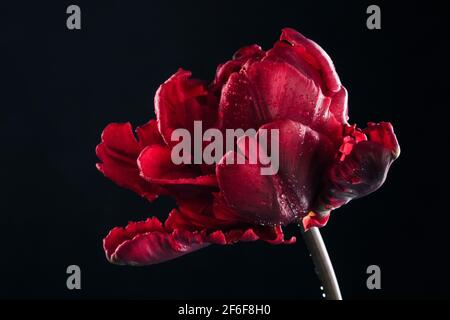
{"x": 339, "y": 106}
{"x": 148, "y": 134}
{"x": 284, "y": 93}
{"x": 287, "y": 83}
{"x": 383, "y": 133}
{"x": 283, "y": 51}
{"x": 287, "y": 195}
{"x": 118, "y": 152}
{"x": 118, "y": 235}
{"x": 156, "y": 166}
{"x": 156, "y": 247}
{"x": 273, "y": 235}
{"x": 238, "y": 107}
{"x": 203, "y": 212}
{"x": 315, "y": 55}
{"x": 180, "y": 101}
{"x": 241, "y": 57}
{"x": 146, "y": 243}
{"x": 269, "y": 91}
{"x": 247, "y": 52}
{"x": 362, "y": 171}
{"x": 206, "y": 211}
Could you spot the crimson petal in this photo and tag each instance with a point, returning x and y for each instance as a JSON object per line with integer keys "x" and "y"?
{"x": 361, "y": 170}
{"x": 203, "y": 212}
{"x": 118, "y": 152}
{"x": 269, "y": 91}
{"x": 180, "y": 101}
{"x": 240, "y": 57}
{"x": 149, "y": 242}
{"x": 287, "y": 195}
{"x": 295, "y": 80}
{"x": 315, "y": 55}
{"x": 156, "y": 166}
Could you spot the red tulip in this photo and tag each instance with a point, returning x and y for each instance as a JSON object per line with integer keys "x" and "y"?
{"x": 324, "y": 161}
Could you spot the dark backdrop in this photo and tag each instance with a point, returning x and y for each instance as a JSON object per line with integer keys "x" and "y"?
{"x": 62, "y": 87}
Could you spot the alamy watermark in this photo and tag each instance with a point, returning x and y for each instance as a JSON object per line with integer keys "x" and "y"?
{"x": 73, "y": 21}
{"x": 373, "y": 22}
{"x": 74, "y": 279}
{"x": 250, "y": 146}
{"x": 374, "y": 280}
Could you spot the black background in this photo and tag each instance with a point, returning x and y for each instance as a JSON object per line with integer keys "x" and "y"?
{"x": 62, "y": 87}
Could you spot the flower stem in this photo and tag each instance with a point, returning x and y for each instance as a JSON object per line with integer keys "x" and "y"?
{"x": 322, "y": 263}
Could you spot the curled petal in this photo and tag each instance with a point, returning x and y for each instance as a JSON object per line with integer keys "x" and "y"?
{"x": 294, "y": 80}
{"x": 248, "y": 52}
{"x": 148, "y": 134}
{"x": 118, "y": 152}
{"x": 270, "y": 91}
{"x": 283, "y": 92}
{"x": 118, "y": 235}
{"x": 238, "y": 106}
{"x": 285, "y": 195}
{"x": 284, "y": 51}
{"x": 149, "y": 242}
{"x": 156, "y": 247}
{"x": 383, "y": 134}
{"x": 273, "y": 235}
{"x": 362, "y": 171}
{"x": 339, "y": 106}
{"x": 180, "y": 101}
{"x": 315, "y": 55}
{"x": 156, "y": 166}
{"x": 240, "y": 57}
{"x": 196, "y": 214}
{"x": 204, "y": 212}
